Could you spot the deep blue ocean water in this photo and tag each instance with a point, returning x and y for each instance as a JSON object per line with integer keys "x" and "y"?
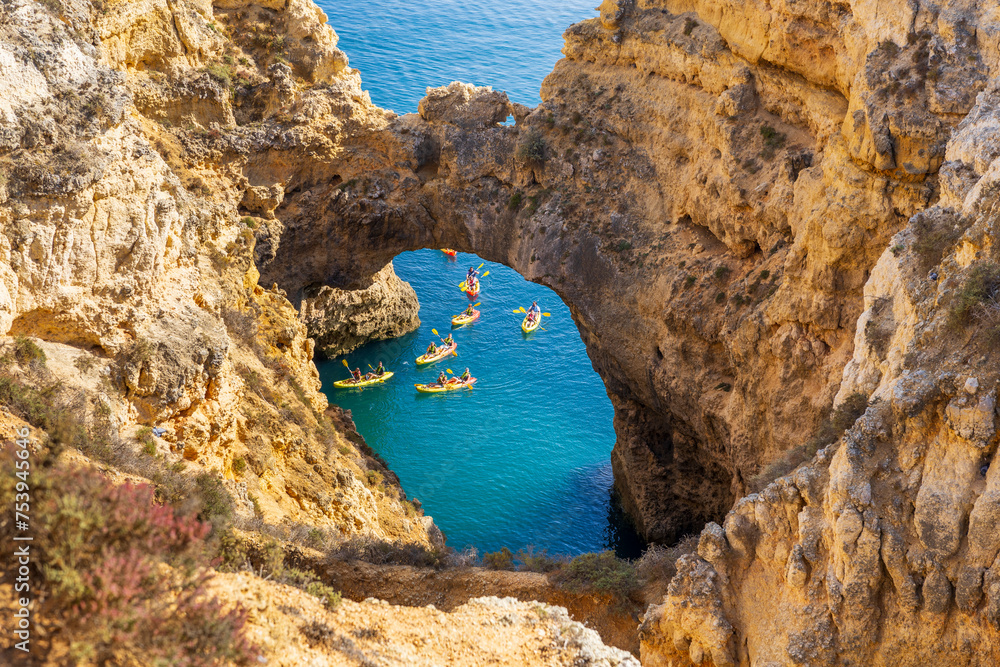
{"x": 403, "y": 47}
{"x": 523, "y": 458}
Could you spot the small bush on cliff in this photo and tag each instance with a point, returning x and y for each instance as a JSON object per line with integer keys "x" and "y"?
{"x": 532, "y": 149}
{"x": 223, "y": 74}
{"x": 514, "y": 203}
{"x": 26, "y": 351}
{"x": 689, "y": 25}
{"x": 538, "y": 561}
{"x": 499, "y": 560}
{"x": 380, "y": 552}
{"x": 601, "y": 573}
{"x": 98, "y": 556}
{"x": 979, "y": 295}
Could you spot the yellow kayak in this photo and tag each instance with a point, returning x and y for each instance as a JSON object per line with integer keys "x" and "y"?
{"x": 528, "y": 327}
{"x": 463, "y": 319}
{"x": 437, "y": 356}
{"x": 435, "y": 388}
{"x": 350, "y": 384}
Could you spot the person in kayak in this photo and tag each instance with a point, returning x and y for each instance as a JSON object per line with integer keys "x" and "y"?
{"x": 356, "y": 374}
{"x": 442, "y": 379}
{"x": 534, "y": 312}
{"x": 431, "y": 349}
{"x": 449, "y": 341}
{"x": 470, "y": 311}
{"x": 471, "y": 277}
{"x": 380, "y": 370}
{"x": 466, "y": 375}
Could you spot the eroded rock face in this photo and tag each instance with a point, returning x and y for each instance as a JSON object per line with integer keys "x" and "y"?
{"x": 128, "y": 195}
{"x": 884, "y": 549}
{"x": 341, "y": 320}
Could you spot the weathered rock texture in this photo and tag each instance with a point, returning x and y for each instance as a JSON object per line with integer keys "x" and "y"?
{"x": 133, "y": 143}
{"x": 751, "y": 209}
{"x": 341, "y": 320}
{"x": 294, "y": 629}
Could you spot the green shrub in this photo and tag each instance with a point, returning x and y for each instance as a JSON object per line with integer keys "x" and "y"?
{"x": 689, "y": 25}
{"x": 239, "y": 465}
{"x": 499, "y": 560}
{"x": 532, "y": 149}
{"x": 374, "y": 477}
{"x": 26, "y": 351}
{"x": 541, "y": 561}
{"x": 720, "y": 297}
{"x": 381, "y": 552}
{"x": 623, "y": 245}
{"x": 980, "y": 287}
{"x": 689, "y": 281}
{"x": 223, "y": 74}
{"x": 765, "y": 274}
{"x": 889, "y": 47}
{"x": 721, "y": 272}
{"x": 601, "y": 573}
{"x": 216, "y": 503}
{"x": 250, "y": 222}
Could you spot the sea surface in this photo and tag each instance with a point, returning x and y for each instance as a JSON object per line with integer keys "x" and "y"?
{"x": 403, "y": 47}
{"x": 523, "y": 458}
{"x": 520, "y": 459}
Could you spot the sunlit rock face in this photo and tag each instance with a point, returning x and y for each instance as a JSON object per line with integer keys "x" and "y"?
{"x": 755, "y": 212}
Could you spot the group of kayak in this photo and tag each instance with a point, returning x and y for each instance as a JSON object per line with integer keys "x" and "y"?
{"x": 448, "y": 347}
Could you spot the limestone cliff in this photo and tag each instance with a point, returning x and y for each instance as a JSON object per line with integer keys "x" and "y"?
{"x": 756, "y": 212}
{"x": 340, "y": 320}
{"x": 133, "y": 139}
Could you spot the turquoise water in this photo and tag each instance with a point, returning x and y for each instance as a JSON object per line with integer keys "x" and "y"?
{"x": 522, "y": 458}
{"x": 403, "y": 47}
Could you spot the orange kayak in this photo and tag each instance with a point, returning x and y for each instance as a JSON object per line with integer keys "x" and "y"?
{"x": 449, "y": 252}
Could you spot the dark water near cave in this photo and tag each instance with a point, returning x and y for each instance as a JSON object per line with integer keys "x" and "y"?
{"x": 522, "y": 459}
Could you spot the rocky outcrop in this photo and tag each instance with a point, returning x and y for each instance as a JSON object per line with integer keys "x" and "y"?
{"x": 340, "y": 320}
{"x": 293, "y": 628}
{"x": 128, "y": 200}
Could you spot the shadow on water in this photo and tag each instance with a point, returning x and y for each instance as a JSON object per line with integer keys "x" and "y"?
{"x": 620, "y": 534}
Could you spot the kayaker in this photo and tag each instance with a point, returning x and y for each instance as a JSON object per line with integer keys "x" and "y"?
{"x": 432, "y": 348}
{"x": 471, "y": 277}
{"x": 449, "y": 341}
{"x": 470, "y": 311}
{"x": 466, "y": 375}
{"x": 356, "y": 374}
{"x": 380, "y": 370}
{"x": 442, "y": 379}
{"x": 534, "y": 311}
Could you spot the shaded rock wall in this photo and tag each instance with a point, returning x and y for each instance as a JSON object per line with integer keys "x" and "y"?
{"x": 341, "y": 320}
